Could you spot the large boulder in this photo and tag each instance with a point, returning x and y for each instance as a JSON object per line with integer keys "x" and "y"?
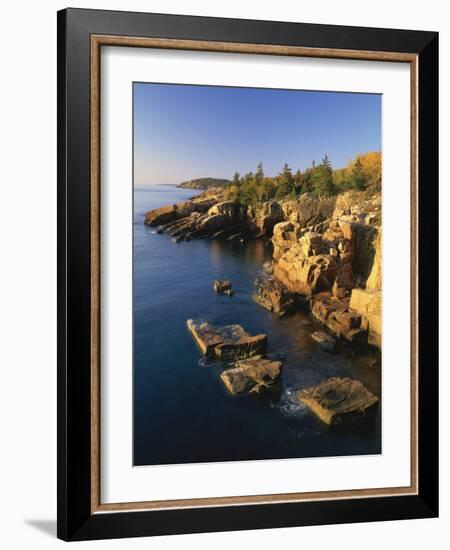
{"x": 213, "y": 223}
{"x": 367, "y": 303}
{"x": 339, "y": 400}
{"x": 274, "y": 297}
{"x": 288, "y": 234}
{"x": 255, "y": 375}
{"x": 285, "y": 235}
{"x": 226, "y": 343}
{"x": 225, "y": 208}
{"x": 338, "y": 317}
{"x": 308, "y": 275}
{"x": 221, "y": 216}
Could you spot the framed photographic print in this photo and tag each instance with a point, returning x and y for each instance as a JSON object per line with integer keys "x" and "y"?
{"x": 247, "y": 274}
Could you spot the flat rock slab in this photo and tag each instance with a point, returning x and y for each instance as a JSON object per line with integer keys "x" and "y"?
{"x": 255, "y": 375}
{"x": 226, "y": 343}
{"x": 338, "y": 400}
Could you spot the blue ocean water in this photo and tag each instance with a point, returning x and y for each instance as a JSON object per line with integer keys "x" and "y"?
{"x": 182, "y": 412}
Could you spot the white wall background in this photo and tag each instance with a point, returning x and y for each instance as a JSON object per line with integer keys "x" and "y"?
{"x": 28, "y": 271}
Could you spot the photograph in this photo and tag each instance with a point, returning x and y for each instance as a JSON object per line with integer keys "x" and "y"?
{"x": 257, "y": 273}
{"x": 247, "y": 272}
{"x": 222, "y": 275}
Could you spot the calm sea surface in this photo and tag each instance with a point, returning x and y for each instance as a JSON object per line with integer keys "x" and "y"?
{"x": 182, "y": 412}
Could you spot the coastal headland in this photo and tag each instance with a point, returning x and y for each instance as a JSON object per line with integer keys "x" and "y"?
{"x": 326, "y": 251}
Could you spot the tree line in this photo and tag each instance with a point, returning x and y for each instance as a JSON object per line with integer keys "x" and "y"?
{"x": 319, "y": 180}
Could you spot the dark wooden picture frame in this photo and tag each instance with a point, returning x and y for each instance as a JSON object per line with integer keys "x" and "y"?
{"x": 81, "y": 34}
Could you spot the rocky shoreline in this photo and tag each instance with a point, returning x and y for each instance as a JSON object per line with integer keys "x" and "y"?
{"x": 326, "y": 261}
{"x": 326, "y": 252}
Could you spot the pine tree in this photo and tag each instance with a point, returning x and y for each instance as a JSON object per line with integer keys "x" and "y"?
{"x": 247, "y": 194}
{"x": 298, "y": 181}
{"x": 287, "y": 173}
{"x": 319, "y": 180}
{"x": 259, "y": 175}
{"x": 285, "y": 182}
{"x": 357, "y": 179}
{"x": 322, "y": 179}
{"x": 307, "y": 184}
{"x": 234, "y": 189}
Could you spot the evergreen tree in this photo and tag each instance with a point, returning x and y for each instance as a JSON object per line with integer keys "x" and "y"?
{"x": 266, "y": 190}
{"x": 298, "y": 181}
{"x": 357, "y": 179}
{"x": 233, "y": 191}
{"x": 259, "y": 175}
{"x": 247, "y": 193}
{"x": 319, "y": 179}
{"x": 307, "y": 184}
{"x": 340, "y": 179}
{"x": 285, "y": 182}
{"x": 322, "y": 178}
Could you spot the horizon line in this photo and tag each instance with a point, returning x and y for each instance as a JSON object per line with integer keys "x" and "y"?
{"x": 229, "y": 179}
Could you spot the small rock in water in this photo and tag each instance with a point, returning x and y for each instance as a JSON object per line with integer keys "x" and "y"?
{"x": 325, "y": 341}
{"x": 338, "y": 400}
{"x": 223, "y": 287}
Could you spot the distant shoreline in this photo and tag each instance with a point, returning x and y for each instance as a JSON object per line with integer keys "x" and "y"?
{"x": 143, "y": 186}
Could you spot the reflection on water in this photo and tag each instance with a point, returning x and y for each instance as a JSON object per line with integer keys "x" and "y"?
{"x": 182, "y": 412}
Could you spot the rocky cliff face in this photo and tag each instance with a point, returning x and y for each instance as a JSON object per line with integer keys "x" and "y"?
{"x": 330, "y": 252}
{"x": 368, "y": 301}
{"x": 308, "y": 210}
{"x": 263, "y": 217}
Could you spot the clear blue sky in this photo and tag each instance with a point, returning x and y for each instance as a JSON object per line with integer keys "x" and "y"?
{"x": 182, "y": 132}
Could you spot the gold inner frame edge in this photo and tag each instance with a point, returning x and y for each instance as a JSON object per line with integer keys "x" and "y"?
{"x": 97, "y": 41}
